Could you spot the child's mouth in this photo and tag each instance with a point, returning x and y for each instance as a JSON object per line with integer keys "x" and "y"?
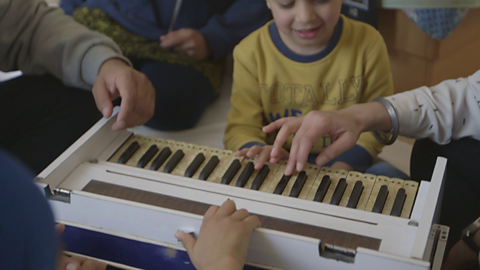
{"x": 308, "y": 33}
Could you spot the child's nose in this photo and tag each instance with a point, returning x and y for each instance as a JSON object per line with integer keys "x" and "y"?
{"x": 306, "y": 12}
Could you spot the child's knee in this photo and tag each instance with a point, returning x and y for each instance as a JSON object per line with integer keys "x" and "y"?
{"x": 386, "y": 169}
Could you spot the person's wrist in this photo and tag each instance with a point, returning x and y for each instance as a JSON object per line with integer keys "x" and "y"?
{"x": 379, "y": 131}
{"x": 356, "y": 113}
{"x": 370, "y": 116}
{"x": 470, "y": 236}
{"x": 223, "y": 263}
{"x": 113, "y": 62}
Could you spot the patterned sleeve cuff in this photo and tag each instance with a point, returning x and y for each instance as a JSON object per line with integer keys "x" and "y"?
{"x": 250, "y": 144}
{"x": 94, "y": 59}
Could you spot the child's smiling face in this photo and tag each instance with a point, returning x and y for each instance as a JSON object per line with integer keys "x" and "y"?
{"x": 305, "y": 26}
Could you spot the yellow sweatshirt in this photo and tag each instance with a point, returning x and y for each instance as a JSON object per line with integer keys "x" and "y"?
{"x": 270, "y": 81}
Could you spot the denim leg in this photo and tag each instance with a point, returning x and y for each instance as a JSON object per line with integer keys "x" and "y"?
{"x": 182, "y": 95}
{"x": 384, "y": 168}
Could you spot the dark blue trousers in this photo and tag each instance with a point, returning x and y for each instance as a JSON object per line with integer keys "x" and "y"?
{"x": 461, "y": 195}
{"x": 182, "y": 94}
{"x": 41, "y": 118}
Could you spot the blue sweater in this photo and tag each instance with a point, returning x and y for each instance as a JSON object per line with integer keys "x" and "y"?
{"x": 27, "y": 235}
{"x": 223, "y": 23}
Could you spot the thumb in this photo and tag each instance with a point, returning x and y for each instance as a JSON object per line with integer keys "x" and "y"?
{"x": 59, "y": 228}
{"x": 69, "y": 264}
{"x": 187, "y": 240}
{"x": 102, "y": 98}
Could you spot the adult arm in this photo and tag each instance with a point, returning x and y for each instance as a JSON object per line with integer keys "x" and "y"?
{"x": 447, "y": 111}
{"x": 224, "y": 31}
{"x": 39, "y": 39}
{"x": 377, "y": 82}
{"x": 440, "y": 118}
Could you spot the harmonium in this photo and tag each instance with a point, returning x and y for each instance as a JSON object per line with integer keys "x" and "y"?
{"x": 123, "y": 196}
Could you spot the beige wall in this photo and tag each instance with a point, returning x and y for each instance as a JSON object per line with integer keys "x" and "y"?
{"x": 416, "y": 59}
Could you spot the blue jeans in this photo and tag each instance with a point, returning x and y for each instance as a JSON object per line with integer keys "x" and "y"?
{"x": 384, "y": 168}
{"x": 380, "y": 167}
{"x": 182, "y": 94}
{"x": 41, "y": 118}
{"x": 461, "y": 186}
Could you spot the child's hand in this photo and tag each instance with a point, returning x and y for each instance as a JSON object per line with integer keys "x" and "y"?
{"x": 223, "y": 239}
{"x": 187, "y": 40}
{"x": 263, "y": 153}
{"x": 340, "y": 125}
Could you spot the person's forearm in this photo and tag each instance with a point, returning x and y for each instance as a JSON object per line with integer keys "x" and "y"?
{"x": 224, "y": 264}
{"x": 372, "y": 116}
{"x": 45, "y": 40}
{"x": 444, "y": 112}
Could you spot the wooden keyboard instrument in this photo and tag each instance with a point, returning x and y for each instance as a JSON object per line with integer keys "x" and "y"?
{"x": 144, "y": 189}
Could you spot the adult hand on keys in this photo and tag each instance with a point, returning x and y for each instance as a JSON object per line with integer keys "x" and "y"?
{"x": 344, "y": 126}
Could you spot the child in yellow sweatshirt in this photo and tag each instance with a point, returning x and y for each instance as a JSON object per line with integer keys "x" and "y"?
{"x": 310, "y": 57}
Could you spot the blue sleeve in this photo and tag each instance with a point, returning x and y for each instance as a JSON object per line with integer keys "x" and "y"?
{"x": 224, "y": 31}
{"x": 69, "y": 5}
{"x": 27, "y": 233}
{"x": 357, "y": 157}
{"x": 250, "y": 144}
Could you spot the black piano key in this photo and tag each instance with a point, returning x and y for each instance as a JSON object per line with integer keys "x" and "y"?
{"x": 245, "y": 175}
{"x": 299, "y": 183}
{"x": 193, "y": 167}
{"x": 355, "y": 196}
{"x": 381, "y": 199}
{"x": 322, "y": 189}
{"x": 172, "y": 163}
{"x": 231, "y": 171}
{"x": 260, "y": 177}
{"x": 134, "y": 146}
{"x": 339, "y": 190}
{"x": 147, "y": 156}
{"x": 398, "y": 204}
{"x": 282, "y": 184}
{"x": 208, "y": 169}
{"x": 160, "y": 159}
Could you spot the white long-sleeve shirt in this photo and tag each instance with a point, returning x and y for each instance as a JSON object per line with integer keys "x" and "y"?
{"x": 449, "y": 110}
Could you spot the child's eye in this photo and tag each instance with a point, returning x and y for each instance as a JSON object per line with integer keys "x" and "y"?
{"x": 288, "y": 5}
